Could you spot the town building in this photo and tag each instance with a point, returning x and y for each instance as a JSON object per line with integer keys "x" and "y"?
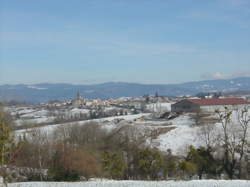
{"x": 208, "y": 105}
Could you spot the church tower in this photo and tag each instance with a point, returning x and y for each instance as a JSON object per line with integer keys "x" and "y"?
{"x": 78, "y": 101}
{"x": 78, "y": 96}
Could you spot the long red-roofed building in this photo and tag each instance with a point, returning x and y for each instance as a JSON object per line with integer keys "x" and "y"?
{"x": 193, "y": 105}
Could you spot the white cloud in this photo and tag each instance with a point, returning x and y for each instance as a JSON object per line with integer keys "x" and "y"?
{"x": 219, "y": 75}
{"x": 216, "y": 75}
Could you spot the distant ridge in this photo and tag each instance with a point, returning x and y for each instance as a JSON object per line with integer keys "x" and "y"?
{"x": 43, "y": 92}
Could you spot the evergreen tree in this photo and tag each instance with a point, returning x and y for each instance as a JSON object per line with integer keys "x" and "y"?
{"x": 114, "y": 164}
{"x": 203, "y": 159}
{"x": 149, "y": 163}
{"x": 187, "y": 167}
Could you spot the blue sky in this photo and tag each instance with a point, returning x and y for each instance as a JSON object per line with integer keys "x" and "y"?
{"x": 145, "y": 41}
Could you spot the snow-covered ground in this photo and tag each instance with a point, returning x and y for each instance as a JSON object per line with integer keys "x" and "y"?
{"x": 185, "y": 134}
{"x": 43, "y": 119}
{"x": 177, "y": 139}
{"x": 50, "y": 128}
{"x": 35, "y": 114}
{"x": 194, "y": 183}
{"x": 20, "y": 110}
{"x": 77, "y": 111}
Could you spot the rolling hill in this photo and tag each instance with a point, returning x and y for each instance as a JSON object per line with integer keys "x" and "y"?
{"x": 46, "y": 91}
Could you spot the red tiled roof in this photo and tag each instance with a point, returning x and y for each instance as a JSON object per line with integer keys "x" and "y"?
{"x": 224, "y": 101}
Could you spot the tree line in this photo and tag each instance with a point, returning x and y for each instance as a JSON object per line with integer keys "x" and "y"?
{"x": 80, "y": 152}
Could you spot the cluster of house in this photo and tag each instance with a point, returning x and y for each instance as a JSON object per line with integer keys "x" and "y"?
{"x": 79, "y": 102}
{"x": 123, "y": 102}
{"x": 185, "y": 105}
{"x": 208, "y": 104}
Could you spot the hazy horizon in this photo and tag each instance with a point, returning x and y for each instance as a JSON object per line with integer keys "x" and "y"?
{"x": 122, "y": 82}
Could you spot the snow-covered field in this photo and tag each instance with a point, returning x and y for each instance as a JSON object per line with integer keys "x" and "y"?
{"x": 50, "y": 128}
{"x": 20, "y": 110}
{"x": 177, "y": 139}
{"x": 197, "y": 183}
{"x": 185, "y": 134}
{"x": 30, "y": 115}
{"x": 21, "y": 122}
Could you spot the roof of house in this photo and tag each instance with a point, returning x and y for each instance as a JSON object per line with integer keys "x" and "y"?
{"x": 222, "y": 101}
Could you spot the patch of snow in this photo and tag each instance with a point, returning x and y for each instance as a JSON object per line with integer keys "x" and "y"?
{"x": 179, "y": 139}
{"x": 181, "y": 120}
{"x": 35, "y": 87}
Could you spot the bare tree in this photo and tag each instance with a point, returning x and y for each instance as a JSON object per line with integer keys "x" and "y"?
{"x": 207, "y": 134}
{"x": 244, "y": 122}
{"x": 228, "y": 140}
{"x": 234, "y": 138}
{"x": 41, "y": 141}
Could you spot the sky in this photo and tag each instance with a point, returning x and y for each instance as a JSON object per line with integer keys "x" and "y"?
{"x": 143, "y": 41}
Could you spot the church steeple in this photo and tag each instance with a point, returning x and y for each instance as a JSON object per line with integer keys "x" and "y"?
{"x": 78, "y": 96}
{"x": 78, "y": 101}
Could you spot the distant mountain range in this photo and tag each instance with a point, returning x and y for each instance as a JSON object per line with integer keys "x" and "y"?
{"x": 43, "y": 92}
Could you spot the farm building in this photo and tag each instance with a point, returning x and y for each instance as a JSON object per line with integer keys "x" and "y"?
{"x": 208, "y": 105}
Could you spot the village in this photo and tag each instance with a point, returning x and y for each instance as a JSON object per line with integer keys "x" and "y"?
{"x": 160, "y": 108}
